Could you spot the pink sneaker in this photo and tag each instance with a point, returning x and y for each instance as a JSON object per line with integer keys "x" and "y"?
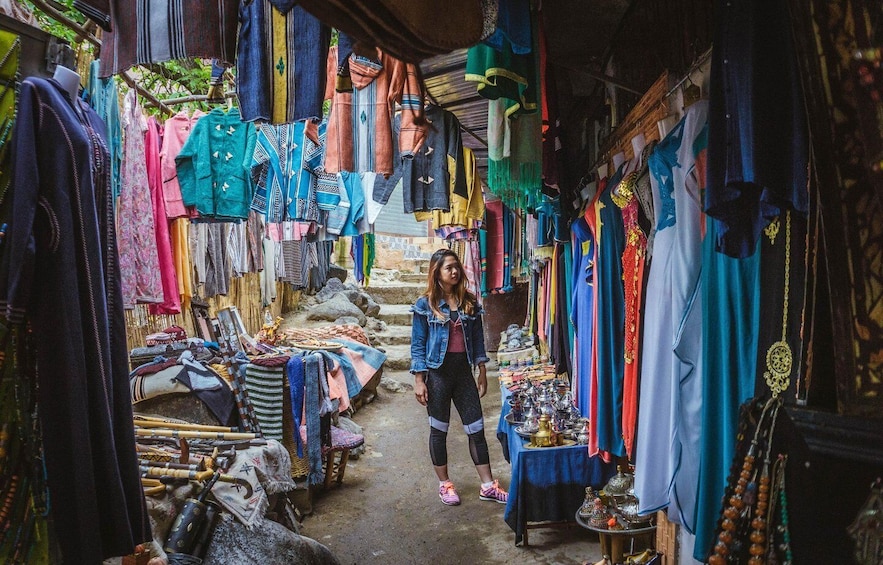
{"x": 448, "y": 494}
{"x": 495, "y": 493}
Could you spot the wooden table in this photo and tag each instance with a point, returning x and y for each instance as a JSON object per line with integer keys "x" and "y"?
{"x": 613, "y": 541}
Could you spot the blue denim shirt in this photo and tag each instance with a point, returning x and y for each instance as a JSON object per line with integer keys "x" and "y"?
{"x": 429, "y": 336}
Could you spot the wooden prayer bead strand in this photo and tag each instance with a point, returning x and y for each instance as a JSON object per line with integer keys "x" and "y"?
{"x": 758, "y": 535}
{"x": 735, "y": 511}
{"x": 759, "y": 523}
{"x": 10, "y": 496}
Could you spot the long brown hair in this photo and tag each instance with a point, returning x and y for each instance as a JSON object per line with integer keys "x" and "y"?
{"x": 435, "y": 292}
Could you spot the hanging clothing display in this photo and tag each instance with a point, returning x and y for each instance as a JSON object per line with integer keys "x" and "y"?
{"x": 171, "y": 303}
{"x": 360, "y": 126}
{"x": 139, "y": 263}
{"x": 758, "y": 124}
{"x": 179, "y": 236}
{"x": 104, "y": 98}
{"x": 633, "y": 280}
{"x": 428, "y": 179}
{"x": 668, "y": 443}
{"x": 285, "y": 187}
{"x": 512, "y": 27}
{"x": 384, "y": 185}
{"x": 217, "y": 271}
{"x": 730, "y": 317}
{"x": 214, "y": 164}
{"x": 281, "y": 62}
{"x": 344, "y": 219}
{"x": 60, "y": 273}
{"x": 154, "y": 31}
{"x": 176, "y": 130}
{"x": 609, "y": 301}
{"x": 268, "y": 274}
{"x": 362, "y": 252}
{"x": 581, "y": 314}
{"x": 466, "y": 212}
{"x": 515, "y": 156}
{"x": 495, "y": 249}
{"x": 503, "y": 74}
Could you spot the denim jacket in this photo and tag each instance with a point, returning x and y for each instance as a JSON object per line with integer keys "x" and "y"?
{"x": 429, "y": 336}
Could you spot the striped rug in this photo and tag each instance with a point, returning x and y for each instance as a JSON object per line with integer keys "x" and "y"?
{"x": 264, "y": 385}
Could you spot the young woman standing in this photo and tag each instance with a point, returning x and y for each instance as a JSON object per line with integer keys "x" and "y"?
{"x": 447, "y": 341}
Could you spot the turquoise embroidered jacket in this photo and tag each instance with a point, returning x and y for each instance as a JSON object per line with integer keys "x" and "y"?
{"x": 214, "y": 165}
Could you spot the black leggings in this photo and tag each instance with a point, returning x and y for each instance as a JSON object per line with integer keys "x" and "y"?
{"x": 453, "y": 381}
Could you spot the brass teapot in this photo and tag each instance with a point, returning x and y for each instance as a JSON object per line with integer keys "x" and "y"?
{"x": 544, "y": 436}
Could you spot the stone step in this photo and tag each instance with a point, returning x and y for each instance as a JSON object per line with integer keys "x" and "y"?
{"x": 396, "y": 314}
{"x": 398, "y": 357}
{"x": 419, "y": 278}
{"x": 395, "y": 335}
{"x": 396, "y": 293}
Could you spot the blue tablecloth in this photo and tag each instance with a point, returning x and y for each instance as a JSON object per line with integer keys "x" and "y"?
{"x": 547, "y": 484}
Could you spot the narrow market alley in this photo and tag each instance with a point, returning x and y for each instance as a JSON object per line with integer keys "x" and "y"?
{"x": 387, "y": 509}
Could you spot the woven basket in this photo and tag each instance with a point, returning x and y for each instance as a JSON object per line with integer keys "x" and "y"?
{"x": 300, "y": 466}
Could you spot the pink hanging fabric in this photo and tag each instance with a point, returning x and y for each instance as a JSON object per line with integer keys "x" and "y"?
{"x": 171, "y": 303}
{"x": 495, "y": 244}
{"x": 177, "y": 130}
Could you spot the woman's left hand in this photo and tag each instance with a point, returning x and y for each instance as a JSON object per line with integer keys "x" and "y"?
{"x": 482, "y": 381}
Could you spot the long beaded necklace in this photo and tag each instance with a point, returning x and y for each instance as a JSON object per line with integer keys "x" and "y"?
{"x": 783, "y": 531}
{"x": 741, "y": 501}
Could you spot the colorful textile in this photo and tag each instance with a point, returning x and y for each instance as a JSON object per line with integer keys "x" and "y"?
{"x": 730, "y": 320}
{"x": 316, "y": 403}
{"x": 472, "y": 267}
{"x": 495, "y": 252}
{"x": 610, "y": 323}
{"x": 175, "y": 133}
{"x": 516, "y": 177}
{"x": 360, "y": 126}
{"x": 633, "y": 277}
{"x": 217, "y": 272}
{"x": 513, "y": 27}
{"x": 759, "y": 142}
{"x": 294, "y": 370}
{"x": 267, "y": 470}
{"x": 154, "y": 31}
{"x": 214, "y": 164}
{"x": 105, "y": 100}
{"x": 179, "y": 236}
{"x": 285, "y": 188}
{"x": 264, "y": 385}
{"x": 465, "y": 212}
{"x": 171, "y": 303}
{"x": 350, "y": 369}
{"x": 344, "y": 221}
{"x": 503, "y": 74}
{"x": 139, "y": 264}
{"x": 281, "y": 59}
{"x": 581, "y": 314}
{"x": 671, "y": 386}
{"x": 428, "y": 179}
